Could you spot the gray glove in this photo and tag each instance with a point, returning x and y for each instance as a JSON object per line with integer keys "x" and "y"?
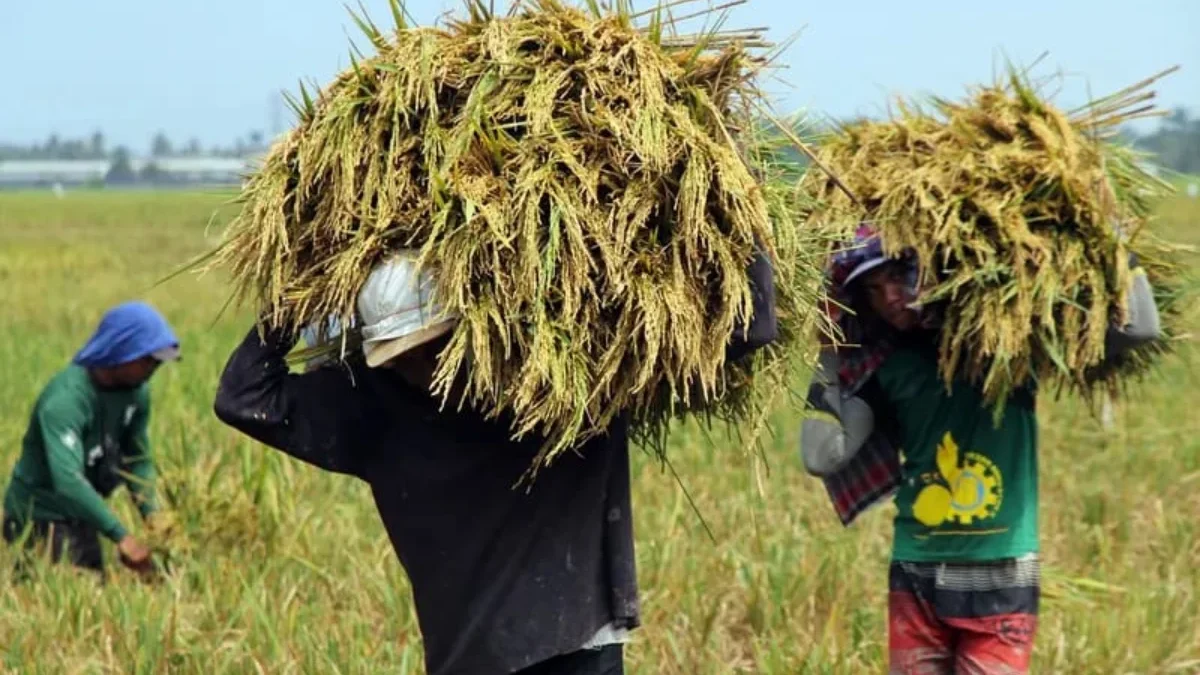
{"x": 830, "y": 437}
{"x": 1144, "y": 324}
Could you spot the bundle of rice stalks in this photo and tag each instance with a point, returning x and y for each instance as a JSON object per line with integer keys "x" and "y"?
{"x": 1021, "y": 217}
{"x": 584, "y": 190}
{"x": 213, "y": 504}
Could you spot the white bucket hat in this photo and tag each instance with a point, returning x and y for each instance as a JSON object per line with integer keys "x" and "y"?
{"x": 398, "y": 311}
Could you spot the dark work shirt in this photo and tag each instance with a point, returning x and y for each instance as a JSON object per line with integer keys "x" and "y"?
{"x": 502, "y": 578}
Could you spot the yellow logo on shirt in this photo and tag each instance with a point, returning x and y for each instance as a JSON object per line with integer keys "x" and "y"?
{"x": 963, "y": 493}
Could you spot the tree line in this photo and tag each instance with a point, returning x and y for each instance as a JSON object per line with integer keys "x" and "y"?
{"x": 96, "y": 147}
{"x": 1175, "y": 145}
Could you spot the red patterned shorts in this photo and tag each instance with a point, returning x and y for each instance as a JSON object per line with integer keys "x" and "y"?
{"x": 962, "y": 619}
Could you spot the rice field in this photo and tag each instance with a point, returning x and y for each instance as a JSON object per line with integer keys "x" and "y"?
{"x": 284, "y": 569}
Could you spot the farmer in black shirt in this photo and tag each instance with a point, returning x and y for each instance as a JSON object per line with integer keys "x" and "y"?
{"x": 504, "y": 580}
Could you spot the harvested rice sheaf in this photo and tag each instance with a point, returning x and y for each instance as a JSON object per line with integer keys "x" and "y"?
{"x": 1022, "y": 218}
{"x": 587, "y": 191}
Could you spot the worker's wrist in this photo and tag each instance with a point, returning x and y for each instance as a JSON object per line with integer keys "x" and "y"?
{"x": 278, "y": 336}
{"x": 146, "y": 505}
{"x": 116, "y": 532}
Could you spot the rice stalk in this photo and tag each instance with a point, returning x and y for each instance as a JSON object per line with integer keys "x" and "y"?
{"x": 588, "y": 193}
{"x": 1022, "y": 218}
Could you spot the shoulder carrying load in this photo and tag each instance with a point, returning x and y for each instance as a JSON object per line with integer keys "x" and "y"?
{"x": 589, "y": 194}
{"x": 1022, "y": 219}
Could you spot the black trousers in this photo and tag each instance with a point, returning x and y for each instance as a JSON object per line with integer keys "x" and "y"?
{"x": 607, "y": 660}
{"x": 70, "y": 541}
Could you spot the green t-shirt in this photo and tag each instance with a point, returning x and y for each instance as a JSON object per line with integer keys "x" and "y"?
{"x": 81, "y": 444}
{"x": 970, "y": 490}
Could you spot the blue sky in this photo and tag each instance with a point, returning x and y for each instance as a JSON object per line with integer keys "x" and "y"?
{"x": 210, "y": 69}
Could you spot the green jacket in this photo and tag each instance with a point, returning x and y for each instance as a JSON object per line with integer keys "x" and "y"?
{"x": 82, "y": 443}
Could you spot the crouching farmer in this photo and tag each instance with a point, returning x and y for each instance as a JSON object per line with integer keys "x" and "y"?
{"x": 965, "y": 579}
{"x": 88, "y": 435}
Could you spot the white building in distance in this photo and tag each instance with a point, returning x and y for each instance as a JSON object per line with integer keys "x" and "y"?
{"x": 177, "y": 171}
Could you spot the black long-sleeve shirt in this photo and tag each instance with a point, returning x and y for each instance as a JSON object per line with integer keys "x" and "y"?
{"x": 501, "y": 578}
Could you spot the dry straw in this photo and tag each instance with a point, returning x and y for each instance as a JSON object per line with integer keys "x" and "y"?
{"x": 1022, "y": 217}
{"x": 588, "y": 191}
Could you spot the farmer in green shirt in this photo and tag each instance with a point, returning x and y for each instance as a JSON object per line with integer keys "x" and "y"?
{"x": 964, "y": 580}
{"x": 87, "y": 435}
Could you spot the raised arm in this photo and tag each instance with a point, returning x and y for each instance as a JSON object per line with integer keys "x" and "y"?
{"x": 318, "y": 417}
{"x": 835, "y": 428}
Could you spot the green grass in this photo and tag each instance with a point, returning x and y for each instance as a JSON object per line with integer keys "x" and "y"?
{"x": 289, "y": 570}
